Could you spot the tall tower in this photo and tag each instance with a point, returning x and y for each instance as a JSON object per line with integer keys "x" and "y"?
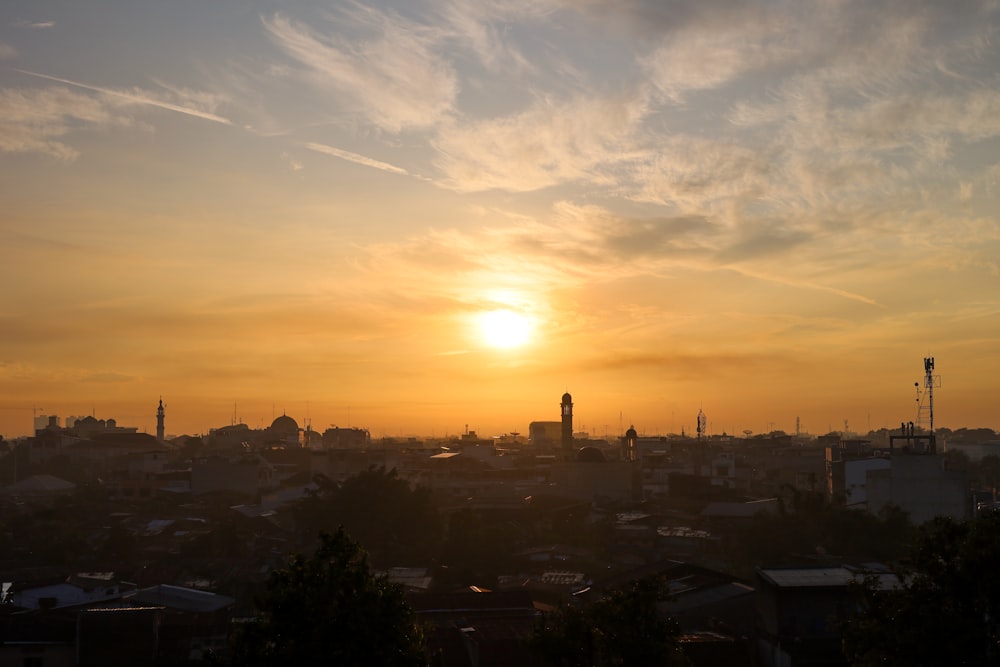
{"x": 702, "y": 431}
{"x": 925, "y": 400}
{"x": 630, "y": 445}
{"x": 567, "y": 424}
{"x": 160, "y": 414}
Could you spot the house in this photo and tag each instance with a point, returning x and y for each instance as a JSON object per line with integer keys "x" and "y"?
{"x": 800, "y": 610}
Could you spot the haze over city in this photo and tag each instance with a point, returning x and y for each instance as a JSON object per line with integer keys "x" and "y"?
{"x": 416, "y": 216}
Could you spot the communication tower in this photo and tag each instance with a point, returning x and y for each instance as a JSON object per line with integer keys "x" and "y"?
{"x": 925, "y": 399}
{"x": 702, "y": 421}
{"x": 918, "y": 437}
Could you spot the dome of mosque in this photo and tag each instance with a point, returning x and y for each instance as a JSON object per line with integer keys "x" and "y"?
{"x": 285, "y": 424}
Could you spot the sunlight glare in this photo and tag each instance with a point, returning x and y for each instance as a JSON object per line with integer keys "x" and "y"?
{"x": 505, "y": 329}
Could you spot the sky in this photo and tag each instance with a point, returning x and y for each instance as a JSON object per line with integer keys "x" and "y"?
{"x": 425, "y": 217}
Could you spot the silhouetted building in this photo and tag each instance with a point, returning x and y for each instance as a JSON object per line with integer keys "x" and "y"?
{"x": 544, "y": 434}
{"x": 630, "y": 451}
{"x": 283, "y": 430}
{"x": 160, "y": 415}
{"x": 800, "y": 611}
{"x": 566, "y": 442}
{"x": 920, "y": 485}
{"x": 346, "y": 438}
{"x": 591, "y": 477}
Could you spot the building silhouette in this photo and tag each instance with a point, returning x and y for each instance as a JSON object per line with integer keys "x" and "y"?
{"x": 160, "y": 416}
{"x": 566, "y": 443}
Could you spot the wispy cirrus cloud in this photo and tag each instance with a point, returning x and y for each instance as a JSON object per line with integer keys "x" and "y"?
{"x": 36, "y": 120}
{"x": 484, "y": 28}
{"x": 555, "y": 141}
{"x": 137, "y": 96}
{"x": 387, "y": 66}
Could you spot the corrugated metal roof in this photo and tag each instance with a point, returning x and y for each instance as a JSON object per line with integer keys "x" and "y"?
{"x": 808, "y": 577}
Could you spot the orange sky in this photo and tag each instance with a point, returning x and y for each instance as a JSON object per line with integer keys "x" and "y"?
{"x": 766, "y": 211}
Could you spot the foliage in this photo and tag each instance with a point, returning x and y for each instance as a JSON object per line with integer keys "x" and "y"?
{"x": 624, "y": 627}
{"x": 945, "y": 610}
{"x": 395, "y": 523}
{"x": 807, "y": 525}
{"x": 329, "y": 609}
{"x": 478, "y": 545}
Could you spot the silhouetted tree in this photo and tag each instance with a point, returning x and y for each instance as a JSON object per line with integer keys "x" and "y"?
{"x": 396, "y": 524}
{"x": 945, "y": 610}
{"x": 329, "y": 609}
{"x": 478, "y": 546}
{"x": 806, "y": 525}
{"x": 624, "y": 627}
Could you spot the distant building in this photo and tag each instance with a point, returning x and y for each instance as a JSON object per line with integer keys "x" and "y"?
{"x": 284, "y": 430}
{"x": 88, "y": 427}
{"x": 630, "y": 450}
{"x": 566, "y": 439}
{"x": 346, "y": 438}
{"x": 544, "y": 434}
{"x": 44, "y": 421}
{"x": 920, "y": 485}
{"x": 592, "y": 478}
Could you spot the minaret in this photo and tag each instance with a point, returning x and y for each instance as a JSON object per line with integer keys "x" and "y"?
{"x": 567, "y": 425}
{"x": 700, "y": 453}
{"x": 160, "y": 414}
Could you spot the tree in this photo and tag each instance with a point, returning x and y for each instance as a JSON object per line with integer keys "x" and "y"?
{"x": 329, "y": 609}
{"x": 624, "y": 627}
{"x": 945, "y": 609}
{"x": 396, "y": 524}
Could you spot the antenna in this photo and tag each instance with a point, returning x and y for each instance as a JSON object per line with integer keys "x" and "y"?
{"x": 925, "y": 414}
{"x": 925, "y": 399}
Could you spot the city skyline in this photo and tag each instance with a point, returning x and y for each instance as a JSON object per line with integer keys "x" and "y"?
{"x": 413, "y": 216}
{"x": 676, "y": 425}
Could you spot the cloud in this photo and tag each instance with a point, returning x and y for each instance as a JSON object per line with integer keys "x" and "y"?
{"x": 292, "y": 163}
{"x": 355, "y": 158}
{"x": 37, "y": 120}
{"x": 34, "y": 121}
{"x": 387, "y": 69}
{"x": 137, "y": 96}
{"x": 7, "y": 51}
{"x": 709, "y": 57}
{"x": 35, "y": 25}
{"x": 553, "y": 142}
{"x": 698, "y": 173}
{"x": 485, "y": 28}
{"x": 574, "y": 245}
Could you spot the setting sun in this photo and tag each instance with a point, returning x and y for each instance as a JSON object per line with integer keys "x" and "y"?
{"x": 505, "y": 328}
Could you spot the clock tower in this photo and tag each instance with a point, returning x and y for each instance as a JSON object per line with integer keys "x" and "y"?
{"x": 567, "y": 425}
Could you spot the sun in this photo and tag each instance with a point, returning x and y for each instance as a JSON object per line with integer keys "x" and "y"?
{"x": 505, "y": 329}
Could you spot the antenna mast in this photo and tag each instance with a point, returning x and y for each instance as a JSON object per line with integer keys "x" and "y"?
{"x": 925, "y": 399}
